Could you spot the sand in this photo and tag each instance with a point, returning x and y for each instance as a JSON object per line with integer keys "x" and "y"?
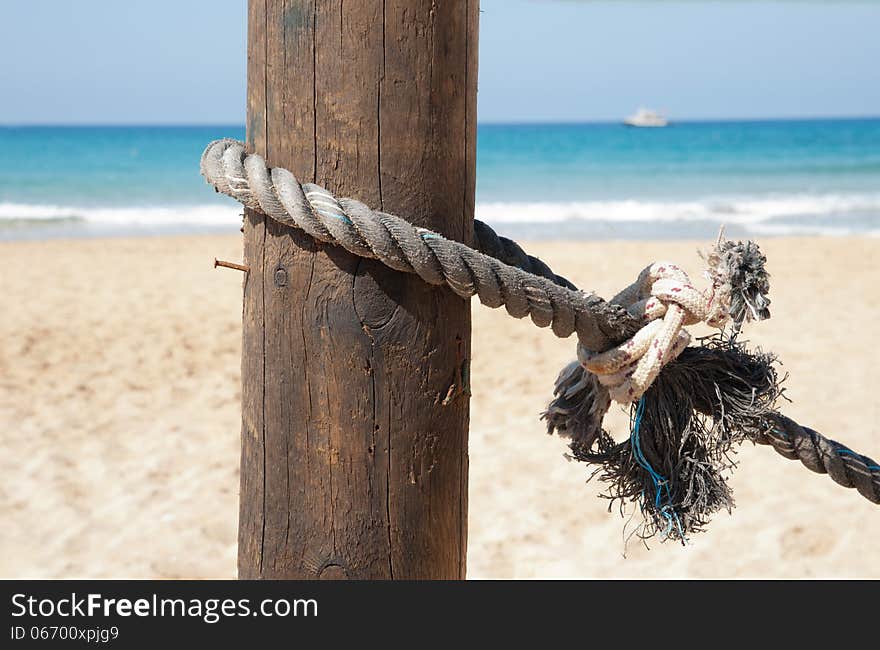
{"x": 119, "y": 420}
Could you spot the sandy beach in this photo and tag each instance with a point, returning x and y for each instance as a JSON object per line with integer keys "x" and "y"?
{"x": 119, "y": 419}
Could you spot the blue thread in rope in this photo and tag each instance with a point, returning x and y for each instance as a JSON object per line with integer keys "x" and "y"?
{"x": 850, "y": 452}
{"x": 334, "y": 215}
{"x": 667, "y": 510}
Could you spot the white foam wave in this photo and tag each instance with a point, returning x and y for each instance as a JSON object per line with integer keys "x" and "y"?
{"x": 741, "y": 211}
{"x": 791, "y": 214}
{"x": 197, "y": 215}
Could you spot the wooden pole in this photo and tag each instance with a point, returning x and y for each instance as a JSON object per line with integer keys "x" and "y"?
{"x": 355, "y": 377}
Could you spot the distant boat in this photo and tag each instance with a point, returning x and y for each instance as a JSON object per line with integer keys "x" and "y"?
{"x": 645, "y": 117}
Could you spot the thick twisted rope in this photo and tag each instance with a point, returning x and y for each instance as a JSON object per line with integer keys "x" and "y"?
{"x": 490, "y": 243}
{"x": 822, "y": 455}
{"x": 530, "y": 290}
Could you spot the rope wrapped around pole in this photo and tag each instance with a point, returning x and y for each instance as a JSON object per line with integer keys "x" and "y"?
{"x": 529, "y": 288}
{"x": 689, "y": 404}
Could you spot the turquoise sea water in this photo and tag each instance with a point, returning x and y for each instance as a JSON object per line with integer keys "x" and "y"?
{"x": 571, "y": 181}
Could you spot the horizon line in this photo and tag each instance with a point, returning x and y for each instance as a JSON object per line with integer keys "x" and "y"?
{"x": 523, "y": 122}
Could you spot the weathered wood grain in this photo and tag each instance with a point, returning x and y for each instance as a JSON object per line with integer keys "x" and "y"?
{"x": 355, "y": 377}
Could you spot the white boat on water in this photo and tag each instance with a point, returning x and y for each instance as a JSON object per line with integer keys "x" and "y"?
{"x": 646, "y": 117}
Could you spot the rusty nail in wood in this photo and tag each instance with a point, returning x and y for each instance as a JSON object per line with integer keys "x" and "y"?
{"x": 230, "y": 265}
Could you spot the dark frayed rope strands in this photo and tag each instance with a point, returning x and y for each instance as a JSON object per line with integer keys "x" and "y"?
{"x": 705, "y": 399}
{"x": 710, "y": 398}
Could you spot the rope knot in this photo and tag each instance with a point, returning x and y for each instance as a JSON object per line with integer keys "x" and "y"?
{"x": 664, "y": 300}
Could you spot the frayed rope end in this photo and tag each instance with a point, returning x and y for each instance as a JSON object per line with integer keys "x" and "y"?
{"x": 683, "y": 433}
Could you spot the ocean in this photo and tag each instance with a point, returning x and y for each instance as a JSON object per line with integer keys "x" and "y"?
{"x": 556, "y": 181}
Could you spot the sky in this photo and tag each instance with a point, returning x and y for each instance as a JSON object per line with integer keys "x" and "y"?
{"x": 183, "y": 62}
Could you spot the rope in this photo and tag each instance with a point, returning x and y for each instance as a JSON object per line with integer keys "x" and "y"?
{"x": 822, "y": 455}
{"x": 662, "y": 495}
{"x": 645, "y": 320}
{"x": 616, "y": 338}
{"x": 490, "y": 243}
{"x": 525, "y": 286}
{"x": 664, "y": 299}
